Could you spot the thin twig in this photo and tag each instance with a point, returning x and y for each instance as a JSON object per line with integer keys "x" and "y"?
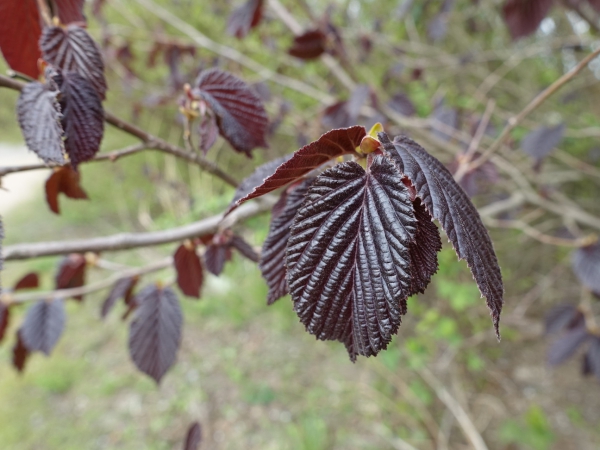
{"x": 44, "y": 12}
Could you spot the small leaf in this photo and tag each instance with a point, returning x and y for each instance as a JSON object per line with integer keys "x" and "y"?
{"x": 523, "y": 17}
{"x": 448, "y": 203}
{"x": 28, "y": 281}
{"x": 4, "y": 319}
{"x": 244, "y": 18}
{"x": 593, "y": 356}
{"x": 19, "y": 353}
{"x": 272, "y": 260}
{"x": 20, "y": 30}
{"x": 332, "y": 144}
{"x": 586, "y": 265}
{"x": 71, "y": 273}
{"x": 123, "y": 288}
{"x": 566, "y": 345}
{"x": 215, "y": 257}
{"x": 155, "y": 332}
{"x": 348, "y": 259}
{"x": 402, "y": 104}
{"x": 445, "y": 119}
{"x": 244, "y": 248}
{"x": 43, "y": 325}
{"x": 208, "y": 131}
{"x": 40, "y": 117}
{"x": 540, "y": 142}
{"x": 63, "y": 180}
{"x": 561, "y": 317}
{"x": 309, "y": 45}
{"x": 70, "y": 11}
{"x": 71, "y": 49}
{"x": 346, "y": 113}
{"x": 240, "y": 115}
{"x": 193, "y": 438}
{"x": 190, "y": 274}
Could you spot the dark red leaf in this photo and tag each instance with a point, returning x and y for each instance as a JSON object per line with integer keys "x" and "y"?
{"x": 208, "y": 132}
{"x": 332, "y": 144}
{"x": 70, "y": 11}
{"x": 71, "y": 273}
{"x": 448, "y": 203}
{"x": 29, "y": 281}
{"x": 190, "y": 274}
{"x": 43, "y": 325}
{"x": 123, "y": 288}
{"x": 309, "y": 45}
{"x": 71, "y": 49}
{"x": 20, "y": 30}
{"x": 523, "y": 17}
{"x": 240, "y": 115}
{"x": 193, "y": 438}
{"x": 244, "y": 18}
{"x": 566, "y": 345}
{"x": 540, "y": 142}
{"x": 348, "y": 256}
{"x": 272, "y": 260}
{"x": 586, "y": 265}
{"x": 593, "y": 356}
{"x": 4, "y": 319}
{"x": 244, "y": 248}
{"x": 215, "y": 257}
{"x": 155, "y": 332}
{"x": 562, "y": 317}
{"x": 39, "y": 117}
{"x": 63, "y": 180}
{"x": 20, "y": 353}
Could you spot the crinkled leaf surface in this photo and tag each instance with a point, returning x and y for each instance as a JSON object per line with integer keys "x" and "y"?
{"x": 190, "y": 274}
{"x": 123, "y": 288}
{"x": 244, "y": 18}
{"x": 448, "y": 203}
{"x": 348, "y": 256}
{"x": 586, "y": 265}
{"x": 39, "y": 117}
{"x": 272, "y": 259}
{"x": 71, "y": 49}
{"x": 241, "y": 117}
{"x": 20, "y": 30}
{"x": 309, "y": 45}
{"x": 155, "y": 332}
{"x": 63, "y": 180}
{"x": 43, "y": 325}
{"x": 332, "y": 144}
{"x": 193, "y": 437}
{"x": 523, "y": 17}
{"x": 567, "y": 344}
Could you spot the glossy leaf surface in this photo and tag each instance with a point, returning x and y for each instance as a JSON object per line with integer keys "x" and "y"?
{"x": 190, "y": 274}
{"x": 348, "y": 256}
{"x": 43, "y": 325}
{"x": 64, "y": 180}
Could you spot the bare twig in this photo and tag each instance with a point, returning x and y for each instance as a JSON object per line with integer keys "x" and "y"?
{"x": 539, "y": 236}
{"x": 45, "y": 12}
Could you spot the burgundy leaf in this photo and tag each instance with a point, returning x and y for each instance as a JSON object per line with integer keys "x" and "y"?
{"x": 448, "y": 203}
{"x": 540, "y": 142}
{"x": 20, "y": 30}
{"x": 63, "y": 180}
{"x": 332, "y": 144}
{"x": 123, "y": 288}
{"x": 240, "y": 115}
{"x": 155, "y": 332}
{"x": 39, "y": 117}
{"x": 43, "y": 325}
{"x": 28, "y": 281}
{"x": 348, "y": 258}
{"x": 208, "y": 132}
{"x": 190, "y": 274}
{"x": 71, "y": 49}
{"x": 424, "y": 250}
{"x": 19, "y": 353}
{"x": 4, "y": 319}
{"x": 523, "y": 17}
{"x": 309, "y": 45}
{"x": 566, "y": 345}
{"x": 244, "y": 18}
{"x": 561, "y": 317}
{"x": 215, "y": 258}
{"x": 193, "y": 438}
{"x": 272, "y": 259}
{"x": 70, "y": 11}
{"x": 593, "y": 356}
{"x": 586, "y": 265}
{"x": 244, "y": 248}
{"x": 71, "y": 273}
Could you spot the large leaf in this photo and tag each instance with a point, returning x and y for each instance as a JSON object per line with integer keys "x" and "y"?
{"x": 523, "y": 17}
{"x": 155, "y": 332}
{"x": 39, "y": 117}
{"x": 43, "y": 325}
{"x": 332, "y": 144}
{"x": 71, "y": 49}
{"x": 20, "y": 30}
{"x": 348, "y": 256}
{"x": 244, "y": 18}
{"x": 241, "y": 117}
{"x": 63, "y": 180}
{"x": 272, "y": 259}
{"x": 586, "y": 265}
{"x": 70, "y": 10}
{"x": 448, "y": 203}
{"x": 190, "y": 274}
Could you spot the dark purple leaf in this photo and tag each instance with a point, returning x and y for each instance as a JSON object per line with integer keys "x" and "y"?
{"x": 444, "y": 120}
{"x": 448, "y": 203}
{"x": 190, "y": 274}
{"x": 561, "y": 317}
{"x": 155, "y": 332}
{"x": 540, "y": 142}
{"x": 43, "y": 325}
{"x": 566, "y": 345}
{"x": 309, "y": 45}
{"x": 70, "y": 11}
{"x": 19, "y": 353}
{"x": 123, "y": 288}
{"x": 39, "y": 117}
{"x": 208, "y": 132}
{"x": 20, "y": 30}
{"x": 272, "y": 260}
{"x": 215, "y": 257}
{"x": 523, "y": 17}
{"x": 332, "y": 144}
{"x": 244, "y": 248}
{"x": 4, "y": 319}
{"x": 63, "y": 180}
{"x": 348, "y": 256}
{"x": 71, "y": 49}
{"x": 240, "y": 115}
{"x": 586, "y": 265}
{"x": 244, "y": 18}
{"x": 402, "y": 104}
{"x": 71, "y": 273}
{"x": 593, "y": 356}
{"x": 28, "y": 281}
{"x": 193, "y": 438}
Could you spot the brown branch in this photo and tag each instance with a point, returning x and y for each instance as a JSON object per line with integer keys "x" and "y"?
{"x": 126, "y": 241}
